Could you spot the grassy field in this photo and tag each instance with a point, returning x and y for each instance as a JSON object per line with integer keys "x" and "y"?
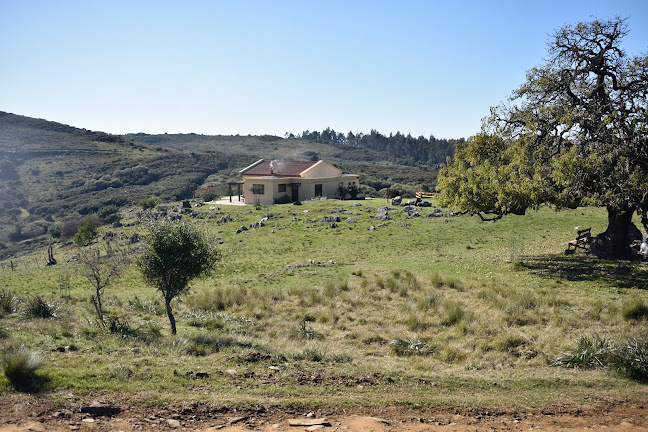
{"x": 419, "y": 312}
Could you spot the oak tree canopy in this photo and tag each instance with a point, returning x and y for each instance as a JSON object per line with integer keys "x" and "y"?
{"x": 575, "y": 133}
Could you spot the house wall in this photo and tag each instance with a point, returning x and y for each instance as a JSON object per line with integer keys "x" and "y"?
{"x": 268, "y": 186}
{"x": 321, "y": 170}
{"x": 306, "y": 187}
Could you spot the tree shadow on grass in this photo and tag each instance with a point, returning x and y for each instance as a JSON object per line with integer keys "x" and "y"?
{"x": 620, "y": 274}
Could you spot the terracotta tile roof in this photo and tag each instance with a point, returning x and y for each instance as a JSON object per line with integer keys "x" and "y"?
{"x": 279, "y": 168}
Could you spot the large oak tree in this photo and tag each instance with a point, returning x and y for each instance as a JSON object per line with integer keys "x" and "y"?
{"x": 575, "y": 133}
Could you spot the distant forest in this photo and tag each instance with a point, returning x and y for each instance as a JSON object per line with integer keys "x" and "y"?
{"x": 416, "y": 151}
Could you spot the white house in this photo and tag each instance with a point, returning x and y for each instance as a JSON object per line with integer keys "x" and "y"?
{"x": 269, "y": 181}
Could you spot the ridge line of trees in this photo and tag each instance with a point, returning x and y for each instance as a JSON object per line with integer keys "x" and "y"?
{"x": 418, "y": 150}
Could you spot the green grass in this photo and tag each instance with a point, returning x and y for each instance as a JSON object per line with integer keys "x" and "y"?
{"x": 404, "y": 315}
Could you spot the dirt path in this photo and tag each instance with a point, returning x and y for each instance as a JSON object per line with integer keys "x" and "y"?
{"x": 25, "y": 414}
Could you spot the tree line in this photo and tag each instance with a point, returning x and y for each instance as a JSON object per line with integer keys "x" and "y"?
{"x": 408, "y": 149}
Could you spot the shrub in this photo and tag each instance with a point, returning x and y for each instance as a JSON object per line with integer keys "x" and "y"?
{"x": 109, "y": 214}
{"x": 148, "y": 203}
{"x": 121, "y": 326}
{"x": 635, "y": 309}
{"x": 86, "y": 232}
{"x": 39, "y": 307}
{"x": 70, "y": 227}
{"x": 453, "y": 313}
{"x": 20, "y": 368}
{"x": 55, "y": 229}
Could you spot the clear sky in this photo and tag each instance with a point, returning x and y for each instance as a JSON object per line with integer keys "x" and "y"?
{"x": 255, "y": 67}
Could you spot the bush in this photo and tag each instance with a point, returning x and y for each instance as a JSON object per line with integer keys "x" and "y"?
{"x": 148, "y": 203}
{"x": 109, "y": 214}
{"x": 86, "y": 233}
{"x": 55, "y": 229}
{"x": 38, "y": 307}
{"x": 20, "y": 368}
{"x": 70, "y": 227}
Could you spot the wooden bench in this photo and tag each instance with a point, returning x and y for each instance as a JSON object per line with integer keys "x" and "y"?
{"x": 425, "y": 195}
{"x": 582, "y": 241}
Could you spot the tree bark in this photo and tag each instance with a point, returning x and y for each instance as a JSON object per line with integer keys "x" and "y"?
{"x": 614, "y": 243}
{"x": 167, "y": 303}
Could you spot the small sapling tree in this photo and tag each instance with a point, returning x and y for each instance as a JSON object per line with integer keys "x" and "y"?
{"x": 175, "y": 254}
{"x": 100, "y": 268}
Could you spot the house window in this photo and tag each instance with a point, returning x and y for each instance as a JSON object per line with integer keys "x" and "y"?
{"x": 318, "y": 190}
{"x": 258, "y": 189}
{"x": 282, "y": 188}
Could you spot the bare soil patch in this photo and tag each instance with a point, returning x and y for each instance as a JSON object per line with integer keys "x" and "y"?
{"x": 27, "y": 413}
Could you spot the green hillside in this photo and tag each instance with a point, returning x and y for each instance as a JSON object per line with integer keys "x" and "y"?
{"x": 52, "y": 172}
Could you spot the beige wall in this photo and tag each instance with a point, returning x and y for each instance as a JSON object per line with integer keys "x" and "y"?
{"x": 321, "y": 170}
{"x": 306, "y": 187}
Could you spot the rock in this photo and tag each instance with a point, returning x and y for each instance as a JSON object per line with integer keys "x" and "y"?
{"x": 314, "y": 428}
{"x": 329, "y": 219}
{"x": 173, "y": 424}
{"x": 333, "y": 225}
{"x": 356, "y": 204}
{"x": 88, "y": 420}
{"x": 351, "y": 220}
{"x": 396, "y": 200}
{"x": 101, "y": 409}
{"x": 411, "y": 202}
{"x": 424, "y": 204}
{"x": 186, "y": 204}
{"x": 234, "y": 420}
{"x": 309, "y": 422}
{"x": 135, "y": 238}
{"x": 310, "y": 414}
{"x": 382, "y": 216}
{"x": 371, "y": 228}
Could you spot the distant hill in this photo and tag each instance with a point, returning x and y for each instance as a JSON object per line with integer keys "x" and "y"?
{"x": 50, "y": 172}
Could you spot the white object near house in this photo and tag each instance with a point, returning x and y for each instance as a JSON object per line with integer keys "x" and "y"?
{"x": 268, "y": 181}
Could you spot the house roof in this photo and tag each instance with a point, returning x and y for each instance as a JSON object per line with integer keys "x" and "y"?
{"x": 277, "y": 168}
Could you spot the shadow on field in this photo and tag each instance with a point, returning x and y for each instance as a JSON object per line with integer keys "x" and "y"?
{"x": 621, "y": 274}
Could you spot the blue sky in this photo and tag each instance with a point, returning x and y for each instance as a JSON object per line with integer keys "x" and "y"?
{"x": 255, "y": 67}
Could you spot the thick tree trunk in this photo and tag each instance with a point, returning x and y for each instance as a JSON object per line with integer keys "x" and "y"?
{"x": 614, "y": 243}
{"x": 167, "y": 303}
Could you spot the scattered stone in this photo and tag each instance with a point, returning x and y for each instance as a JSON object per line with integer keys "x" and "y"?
{"x": 329, "y": 219}
{"x": 173, "y": 423}
{"x": 396, "y": 200}
{"x": 411, "y": 202}
{"x": 314, "y": 428}
{"x": 274, "y": 368}
{"x": 64, "y": 413}
{"x": 356, "y": 204}
{"x": 351, "y": 220}
{"x": 88, "y": 420}
{"x": 424, "y": 204}
{"x": 309, "y": 422}
{"x": 371, "y": 228}
{"x": 310, "y": 414}
{"x": 379, "y": 420}
{"x": 333, "y": 225}
{"x": 234, "y": 420}
{"x": 101, "y": 409}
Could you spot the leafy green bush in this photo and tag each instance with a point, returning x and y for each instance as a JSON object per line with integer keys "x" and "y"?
{"x": 148, "y": 203}
{"x": 109, "y": 214}
{"x": 39, "y": 307}
{"x": 86, "y": 233}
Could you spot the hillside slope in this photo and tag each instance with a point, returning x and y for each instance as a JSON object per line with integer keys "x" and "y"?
{"x": 50, "y": 171}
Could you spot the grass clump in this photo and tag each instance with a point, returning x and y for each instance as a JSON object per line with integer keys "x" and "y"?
{"x": 635, "y": 310}
{"x": 39, "y": 307}
{"x": 20, "y": 366}
{"x": 8, "y": 302}
{"x": 411, "y": 347}
{"x": 630, "y": 358}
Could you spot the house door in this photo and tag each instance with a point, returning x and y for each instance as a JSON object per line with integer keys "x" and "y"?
{"x": 318, "y": 190}
{"x": 295, "y": 192}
